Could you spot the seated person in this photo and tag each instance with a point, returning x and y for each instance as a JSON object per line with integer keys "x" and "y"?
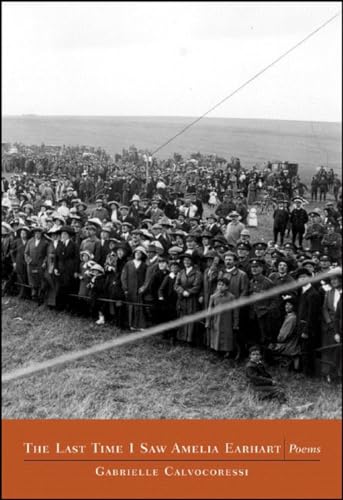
{"x": 260, "y": 380}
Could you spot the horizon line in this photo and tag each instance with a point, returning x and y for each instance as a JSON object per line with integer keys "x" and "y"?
{"x": 36, "y": 115}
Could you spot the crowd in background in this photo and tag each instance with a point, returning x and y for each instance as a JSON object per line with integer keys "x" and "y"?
{"x": 139, "y": 241}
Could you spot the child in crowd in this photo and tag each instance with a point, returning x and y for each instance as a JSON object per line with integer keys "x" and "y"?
{"x": 260, "y": 380}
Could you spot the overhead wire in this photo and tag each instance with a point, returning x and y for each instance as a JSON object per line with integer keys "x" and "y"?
{"x": 247, "y": 82}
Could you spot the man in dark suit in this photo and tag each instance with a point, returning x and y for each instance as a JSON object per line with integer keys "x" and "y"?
{"x": 309, "y": 321}
{"x": 125, "y": 217}
{"x": 298, "y": 219}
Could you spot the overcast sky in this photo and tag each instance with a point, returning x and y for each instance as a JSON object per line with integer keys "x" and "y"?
{"x": 173, "y": 59}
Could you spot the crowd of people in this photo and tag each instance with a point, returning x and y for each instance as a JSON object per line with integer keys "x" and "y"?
{"x": 138, "y": 241}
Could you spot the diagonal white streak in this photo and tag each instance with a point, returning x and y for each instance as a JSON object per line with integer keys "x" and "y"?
{"x": 132, "y": 337}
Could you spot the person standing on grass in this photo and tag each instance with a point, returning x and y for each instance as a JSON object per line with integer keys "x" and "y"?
{"x": 298, "y": 220}
{"x": 323, "y": 188}
{"x": 314, "y": 188}
{"x": 18, "y": 256}
{"x": 50, "y": 280}
{"x": 188, "y": 287}
{"x": 222, "y": 329}
{"x": 234, "y": 228}
{"x": 132, "y": 279}
{"x": 309, "y": 321}
{"x": 331, "y": 358}
{"x": 66, "y": 266}
{"x": 167, "y": 298}
{"x": 332, "y": 243}
{"x": 259, "y": 312}
{"x": 281, "y": 217}
{"x": 35, "y": 257}
{"x": 315, "y": 230}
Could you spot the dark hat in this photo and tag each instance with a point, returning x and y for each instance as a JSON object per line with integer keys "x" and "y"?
{"x": 99, "y": 200}
{"x": 187, "y": 255}
{"x": 211, "y": 254}
{"x": 220, "y": 239}
{"x": 40, "y": 229}
{"x": 243, "y": 246}
{"x": 301, "y": 272}
{"x": 128, "y": 224}
{"x": 297, "y": 198}
{"x": 289, "y": 245}
{"x": 124, "y": 207}
{"x": 212, "y": 216}
{"x": 191, "y": 237}
{"x": 231, "y": 253}
{"x": 325, "y": 257}
{"x": 260, "y": 245}
{"x": 291, "y": 298}
{"x": 206, "y": 234}
{"x": 308, "y": 261}
{"x": 67, "y": 229}
{"x": 256, "y": 262}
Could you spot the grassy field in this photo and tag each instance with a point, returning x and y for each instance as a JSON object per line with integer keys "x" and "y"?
{"x": 310, "y": 144}
{"x": 145, "y": 379}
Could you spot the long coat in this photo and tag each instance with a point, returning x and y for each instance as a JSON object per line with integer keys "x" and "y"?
{"x": 188, "y": 305}
{"x": 309, "y": 323}
{"x": 287, "y": 342}
{"x": 20, "y": 264}
{"x": 331, "y": 358}
{"x": 35, "y": 257}
{"x": 132, "y": 279}
{"x": 50, "y": 280}
{"x": 210, "y": 280}
{"x": 220, "y": 332}
{"x": 66, "y": 263}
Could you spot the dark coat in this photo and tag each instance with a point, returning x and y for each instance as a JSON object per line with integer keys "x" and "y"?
{"x": 35, "y": 258}
{"x": 309, "y": 315}
{"x": 281, "y": 218}
{"x": 103, "y": 252}
{"x": 191, "y": 283}
{"x": 66, "y": 264}
{"x": 299, "y": 217}
{"x": 132, "y": 279}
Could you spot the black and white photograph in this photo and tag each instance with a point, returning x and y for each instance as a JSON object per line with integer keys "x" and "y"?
{"x": 171, "y": 200}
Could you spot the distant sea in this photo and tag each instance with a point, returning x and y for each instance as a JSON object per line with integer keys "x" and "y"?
{"x": 254, "y": 141}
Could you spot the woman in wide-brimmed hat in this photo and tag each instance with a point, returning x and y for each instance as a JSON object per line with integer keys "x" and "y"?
{"x": 188, "y": 287}
{"x": 50, "y": 279}
{"x": 20, "y": 265}
{"x": 132, "y": 280}
{"x": 35, "y": 257}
